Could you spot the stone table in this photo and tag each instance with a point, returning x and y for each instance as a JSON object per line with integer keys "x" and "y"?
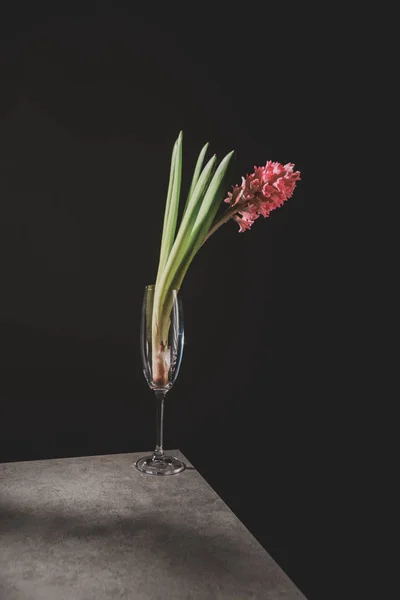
{"x": 95, "y": 528}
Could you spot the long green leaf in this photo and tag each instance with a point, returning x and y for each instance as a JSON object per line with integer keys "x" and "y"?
{"x": 190, "y": 237}
{"x": 208, "y": 210}
{"x": 196, "y": 174}
{"x": 172, "y": 205}
{"x": 186, "y": 226}
{"x": 213, "y": 196}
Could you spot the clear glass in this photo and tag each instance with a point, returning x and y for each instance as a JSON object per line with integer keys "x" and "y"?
{"x": 161, "y": 358}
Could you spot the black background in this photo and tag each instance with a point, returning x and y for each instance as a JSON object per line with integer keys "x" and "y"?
{"x": 90, "y": 108}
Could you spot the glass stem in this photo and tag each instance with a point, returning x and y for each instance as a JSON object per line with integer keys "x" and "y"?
{"x": 159, "y": 451}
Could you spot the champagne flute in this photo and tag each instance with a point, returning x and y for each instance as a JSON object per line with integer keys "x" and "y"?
{"x": 161, "y": 363}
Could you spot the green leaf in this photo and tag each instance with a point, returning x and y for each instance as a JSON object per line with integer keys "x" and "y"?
{"x": 196, "y": 174}
{"x": 201, "y": 211}
{"x": 172, "y": 205}
{"x": 183, "y": 237}
{"x": 209, "y": 208}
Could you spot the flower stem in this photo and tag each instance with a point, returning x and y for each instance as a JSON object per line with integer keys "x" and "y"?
{"x": 224, "y": 219}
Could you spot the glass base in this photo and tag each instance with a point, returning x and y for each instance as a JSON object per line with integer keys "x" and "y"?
{"x": 165, "y": 465}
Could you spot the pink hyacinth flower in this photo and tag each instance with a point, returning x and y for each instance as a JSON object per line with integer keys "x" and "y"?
{"x": 261, "y": 192}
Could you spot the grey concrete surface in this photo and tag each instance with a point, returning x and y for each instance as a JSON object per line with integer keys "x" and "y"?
{"x": 94, "y": 528}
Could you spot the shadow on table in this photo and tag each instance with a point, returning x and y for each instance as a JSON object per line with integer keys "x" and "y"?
{"x": 139, "y": 542}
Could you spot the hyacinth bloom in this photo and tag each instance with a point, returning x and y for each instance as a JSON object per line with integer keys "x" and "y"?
{"x": 259, "y": 193}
